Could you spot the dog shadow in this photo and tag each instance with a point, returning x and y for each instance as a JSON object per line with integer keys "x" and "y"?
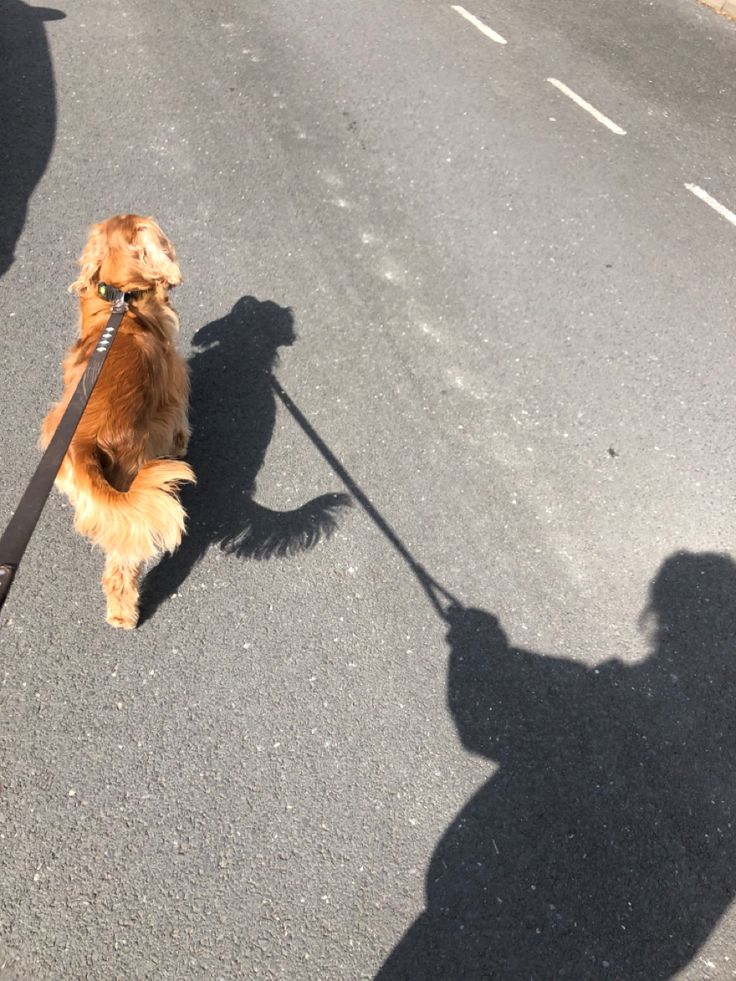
{"x": 27, "y": 114}
{"x": 604, "y": 845}
{"x": 232, "y": 414}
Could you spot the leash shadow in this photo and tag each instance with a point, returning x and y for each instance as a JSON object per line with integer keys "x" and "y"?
{"x": 233, "y": 413}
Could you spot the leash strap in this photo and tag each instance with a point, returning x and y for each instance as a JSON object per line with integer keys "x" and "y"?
{"x": 18, "y": 533}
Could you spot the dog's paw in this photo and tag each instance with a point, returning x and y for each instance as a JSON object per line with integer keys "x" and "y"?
{"x": 122, "y": 620}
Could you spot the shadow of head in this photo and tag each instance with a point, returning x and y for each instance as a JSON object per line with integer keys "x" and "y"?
{"x": 692, "y": 613}
{"x": 694, "y": 591}
{"x": 253, "y": 327}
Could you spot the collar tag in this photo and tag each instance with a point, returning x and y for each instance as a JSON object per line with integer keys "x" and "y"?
{"x": 115, "y": 296}
{"x": 110, "y": 293}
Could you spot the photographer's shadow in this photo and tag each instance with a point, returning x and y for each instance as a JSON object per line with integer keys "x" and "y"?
{"x": 27, "y": 114}
{"x": 233, "y": 413}
{"x": 604, "y": 845}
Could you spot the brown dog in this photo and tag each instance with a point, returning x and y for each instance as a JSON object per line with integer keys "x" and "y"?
{"x": 123, "y": 492}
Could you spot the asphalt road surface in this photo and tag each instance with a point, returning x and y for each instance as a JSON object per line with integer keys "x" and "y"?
{"x": 487, "y": 728}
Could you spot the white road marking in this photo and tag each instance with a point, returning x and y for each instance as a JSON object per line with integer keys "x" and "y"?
{"x": 587, "y": 106}
{"x": 715, "y": 205}
{"x": 483, "y": 28}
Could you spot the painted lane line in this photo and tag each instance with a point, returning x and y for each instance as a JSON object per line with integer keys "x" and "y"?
{"x": 587, "y": 106}
{"x": 483, "y": 28}
{"x": 715, "y": 205}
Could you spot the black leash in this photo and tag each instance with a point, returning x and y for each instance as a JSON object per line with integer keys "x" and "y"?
{"x": 16, "y": 536}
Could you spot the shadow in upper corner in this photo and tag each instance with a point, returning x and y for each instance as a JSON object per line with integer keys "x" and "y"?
{"x": 232, "y": 414}
{"x": 27, "y": 114}
{"x": 604, "y": 846}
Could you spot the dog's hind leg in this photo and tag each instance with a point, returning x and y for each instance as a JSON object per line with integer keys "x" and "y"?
{"x": 120, "y": 582}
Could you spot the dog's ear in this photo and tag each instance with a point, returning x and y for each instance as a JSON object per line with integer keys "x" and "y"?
{"x": 156, "y": 254}
{"x": 93, "y": 255}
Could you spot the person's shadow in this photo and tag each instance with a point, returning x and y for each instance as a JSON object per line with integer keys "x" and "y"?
{"x": 232, "y": 415}
{"x": 604, "y": 845}
{"x": 27, "y": 114}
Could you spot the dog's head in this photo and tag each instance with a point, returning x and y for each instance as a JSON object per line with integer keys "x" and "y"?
{"x": 130, "y": 253}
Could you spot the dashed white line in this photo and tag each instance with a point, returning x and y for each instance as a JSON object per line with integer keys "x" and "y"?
{"x": 587, "y": 106}
{"x": 483, "y": 28}
{"x": 695, "y": 189}
{"x": 715, "y": 205}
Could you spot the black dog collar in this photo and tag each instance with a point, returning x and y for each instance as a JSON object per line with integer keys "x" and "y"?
{"x": 113, "y": 295}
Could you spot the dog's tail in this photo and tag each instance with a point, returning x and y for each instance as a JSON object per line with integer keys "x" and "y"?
{"x": 138, "y": 523}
